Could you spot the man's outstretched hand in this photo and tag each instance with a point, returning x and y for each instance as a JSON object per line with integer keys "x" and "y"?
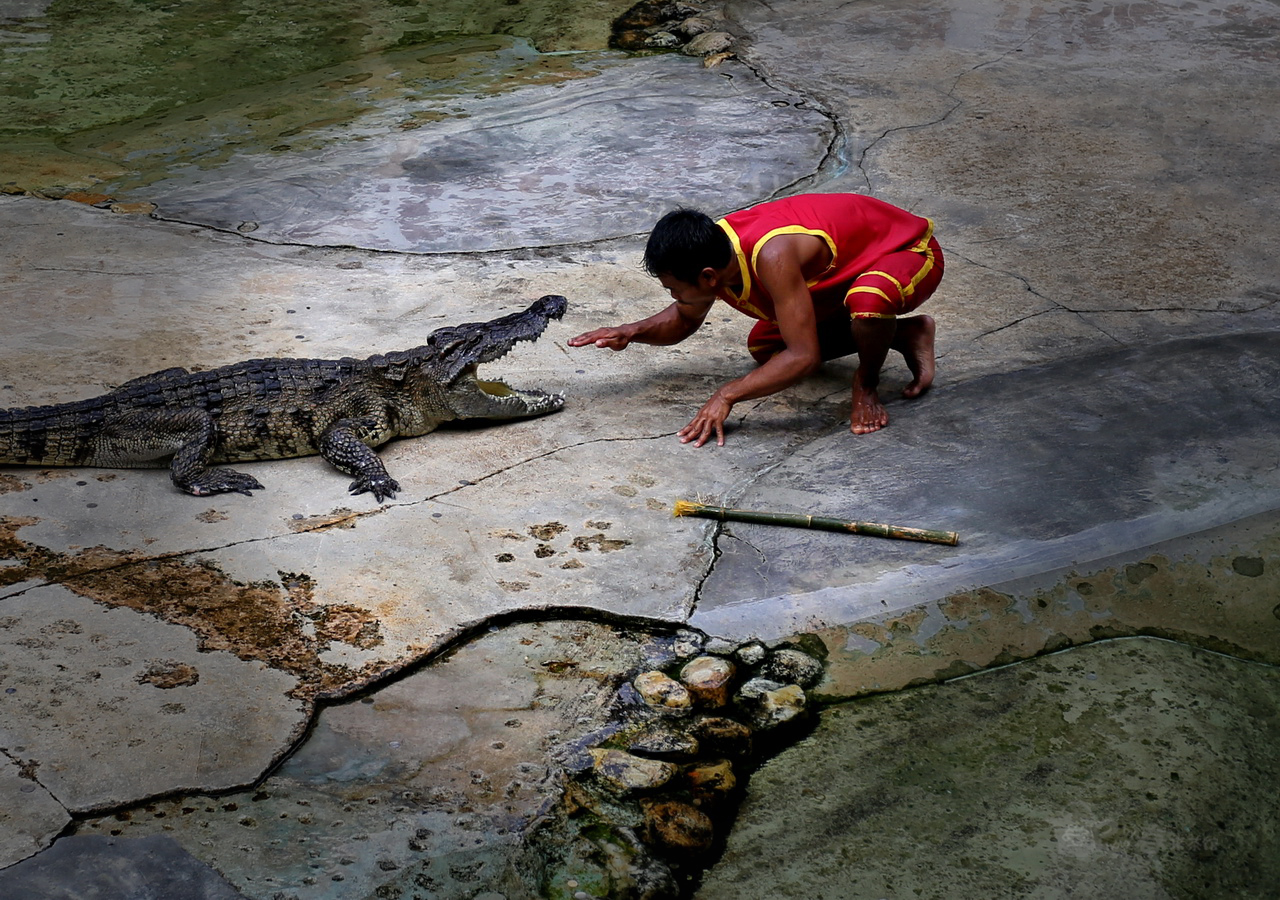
{"x": 613, "y": 338}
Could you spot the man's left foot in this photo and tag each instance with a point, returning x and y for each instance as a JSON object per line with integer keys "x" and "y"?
{"x": 914, "y": 341}
{"x": 868, "y": 413}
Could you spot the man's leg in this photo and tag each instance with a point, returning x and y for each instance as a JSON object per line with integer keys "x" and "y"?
{"x": 896, "y": 284}
{"x": 835, "y": 340}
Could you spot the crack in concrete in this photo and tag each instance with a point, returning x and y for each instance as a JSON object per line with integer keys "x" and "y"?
{"x": 946, "y": 115}
{"x": 834, "y": 157}
{"x": 1056, "y": 306}
{"x": 80, "y": 271}
{"x": 178, "y": 555}
{"x": 1052, "y": 19}
{"x": 862, "y": 157}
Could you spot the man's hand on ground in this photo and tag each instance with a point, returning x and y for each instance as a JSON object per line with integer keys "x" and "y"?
{"x": 709, "y": 421}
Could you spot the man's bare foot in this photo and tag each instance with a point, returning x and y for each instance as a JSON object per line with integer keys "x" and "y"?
{"x": 868, "y": 413}
{"x": 914, "y": 340}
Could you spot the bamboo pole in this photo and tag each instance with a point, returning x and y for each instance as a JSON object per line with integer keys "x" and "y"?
{"x": 821, "y": 523}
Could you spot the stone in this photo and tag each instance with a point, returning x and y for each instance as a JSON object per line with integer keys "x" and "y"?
{"x": 678, "y": 827}
{"x": 714, "y": 778}
{"x": 688, "y": 643}
{"x": 708, "y": 43}
{"x": 662, "y": 40}
{"x": 708, "y": 679}
{"x": 692, "y": 27}
{"x": 769, "y": 703}
{"x": 627, "y": 773}
{"x": 664, "y": 743}
{"x": 792, "y": 667}
{"x": 719, "y": 646}
{"x": 720, "y": 734}
{"x": 751, "y": 654}
{"x": 752, "y": 690}
{"x": 660, "y": 690}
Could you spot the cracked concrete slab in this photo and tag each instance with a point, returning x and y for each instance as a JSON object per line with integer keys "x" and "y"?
{"x": 1126, "y": 768}
{"x": 430, "y": 783}
{"x": 30, "y": 817}
{"x": 1035, "y": 470}
{"x": 105, "y": 705}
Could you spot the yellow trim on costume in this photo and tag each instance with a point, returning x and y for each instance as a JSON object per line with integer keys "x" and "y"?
{"x": 905, "y": 292}
{"x": 868, "y": 289}
{"x": 746, "y": 306}
{"x": 922, "y": 246}
{"x": 871, "y": 315}
{"x": 798, "y": 229}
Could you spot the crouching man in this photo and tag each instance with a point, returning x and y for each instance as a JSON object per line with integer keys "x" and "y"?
{"x": 826, "y": 275}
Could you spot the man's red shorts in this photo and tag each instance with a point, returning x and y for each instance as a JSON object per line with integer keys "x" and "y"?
{"x": 896, "y": 285}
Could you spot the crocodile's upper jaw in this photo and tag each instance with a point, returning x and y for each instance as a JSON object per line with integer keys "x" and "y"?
{"x": 457, "y": 347}
{"x": 460, "y": 349}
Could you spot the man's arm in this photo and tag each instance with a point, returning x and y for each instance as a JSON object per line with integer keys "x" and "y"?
{"x": 671, "y": 326}
{"x": 780, "y": 270}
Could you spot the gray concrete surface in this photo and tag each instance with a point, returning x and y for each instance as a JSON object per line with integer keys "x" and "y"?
{"x": 1102, "y": 179}
{"x": 1082, "y": 774}
{"x": 92, "y": 867}
{"x": 579, "y": 142}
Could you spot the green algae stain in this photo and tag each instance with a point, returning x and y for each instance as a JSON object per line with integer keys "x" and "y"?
{"x": 94, "y": 89}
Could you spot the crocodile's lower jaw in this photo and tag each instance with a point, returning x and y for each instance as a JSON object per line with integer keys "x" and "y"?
{"x": 495, "y": 388}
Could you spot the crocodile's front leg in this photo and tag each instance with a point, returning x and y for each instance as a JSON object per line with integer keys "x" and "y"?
{"x": 189, "y": 435}
{"x": 344, "y": 445}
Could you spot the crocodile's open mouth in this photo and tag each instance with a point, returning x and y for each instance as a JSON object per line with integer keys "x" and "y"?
{"x": 473, "y": 397}
{"x": 495, "y": 388}
{"x": 460, "y": 349}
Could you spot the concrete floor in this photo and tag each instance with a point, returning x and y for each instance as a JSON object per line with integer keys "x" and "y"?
{"x": 1102, "y": 433}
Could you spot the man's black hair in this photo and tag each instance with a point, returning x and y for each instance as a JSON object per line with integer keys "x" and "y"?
{"x": 683, "y": 243}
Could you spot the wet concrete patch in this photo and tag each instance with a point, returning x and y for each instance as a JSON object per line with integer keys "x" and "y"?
{"x": 1128, "y": 767}
{"x": 92, "y": 867}
{"x": 543, "y": 165}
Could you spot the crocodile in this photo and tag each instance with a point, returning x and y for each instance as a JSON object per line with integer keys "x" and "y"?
{"x": 280, "y": 408}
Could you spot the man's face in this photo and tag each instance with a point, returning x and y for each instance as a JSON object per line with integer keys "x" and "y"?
{"x": 686, "y": 292}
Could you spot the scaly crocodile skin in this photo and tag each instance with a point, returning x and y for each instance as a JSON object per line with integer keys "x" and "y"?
{"x": 279, "y": 408}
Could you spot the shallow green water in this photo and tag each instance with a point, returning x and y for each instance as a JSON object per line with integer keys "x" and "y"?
{"x": 90, "y": 88}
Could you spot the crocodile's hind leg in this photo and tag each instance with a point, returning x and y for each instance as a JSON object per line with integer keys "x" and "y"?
{"x": 345, "y": 445}
{"x": 143, "y": 436}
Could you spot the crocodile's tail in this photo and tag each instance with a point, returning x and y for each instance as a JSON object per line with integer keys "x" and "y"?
{"x": 56, "y": 435}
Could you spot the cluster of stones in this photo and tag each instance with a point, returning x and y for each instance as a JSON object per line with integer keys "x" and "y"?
{"x": 666, "y": 781}
{"x": 663, "y": 25}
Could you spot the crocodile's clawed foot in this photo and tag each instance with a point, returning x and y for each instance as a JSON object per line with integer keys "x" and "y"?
{"x": 382, "y": 487}
{"x": 223, "y": 481}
